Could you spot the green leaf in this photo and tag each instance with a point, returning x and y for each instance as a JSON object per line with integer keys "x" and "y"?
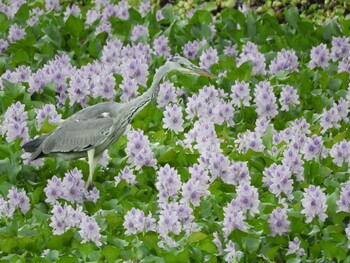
{"x": 96, "y": 45}
{"x": 74, "y": 26}
{"x": 333, "y": 250}
{"x": 46, "y": 127}
{"x": 292, "y": 16}
{"x": 252, "y": 244}
{"x": 22, "y": 13}
{"x": 120, "y": 28}
{"x": 331, "y": 30}
{"x": 196, "y": 237}
{"x": 208, "y": 246}
{"x": 270, "y": 251}
{"x": 167, "y": 12}
{"x": 201, "y": 17}
{"x": 54, "y": 35}
{"x": 7, "y": 244}
{"x": 3, "y": 22}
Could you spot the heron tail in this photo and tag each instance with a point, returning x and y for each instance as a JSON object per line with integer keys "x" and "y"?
{"x": 34, "y": 147}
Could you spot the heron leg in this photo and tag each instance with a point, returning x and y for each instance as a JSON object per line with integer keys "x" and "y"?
{"x": 93, "y": 160}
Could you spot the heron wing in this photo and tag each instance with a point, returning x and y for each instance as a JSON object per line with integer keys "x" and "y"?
{"x": 79, "y": 135}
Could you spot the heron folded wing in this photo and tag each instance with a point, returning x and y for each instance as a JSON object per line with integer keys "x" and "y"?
{"x": 78, "y": 136}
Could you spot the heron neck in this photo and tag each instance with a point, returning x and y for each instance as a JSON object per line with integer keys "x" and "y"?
{"x": 136, "y": 105}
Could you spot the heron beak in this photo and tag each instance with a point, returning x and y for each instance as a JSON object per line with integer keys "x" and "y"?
{"x": 204, "y": 72}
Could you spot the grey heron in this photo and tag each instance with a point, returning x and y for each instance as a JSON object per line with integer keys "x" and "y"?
{"x": 92, "y": 130}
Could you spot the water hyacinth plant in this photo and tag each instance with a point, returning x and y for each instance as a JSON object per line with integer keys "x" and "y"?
{"x": 250, "y": 167}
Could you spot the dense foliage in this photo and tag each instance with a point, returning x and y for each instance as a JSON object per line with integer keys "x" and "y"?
{"x": 252, "y": 166}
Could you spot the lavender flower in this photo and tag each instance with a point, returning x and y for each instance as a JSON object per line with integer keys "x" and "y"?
{"x": 168, "y": 184}
{"x": 126, "y": 174}
{"x": 285, "y": 60}
{"x": 344, "y": 199}
{"x": 18, "y": 199}
{"x": 48, "y": 111}
{"x": 248, "y": 198}
{"x": 53, "y": 190}
{"x": 138, "y": 150}
{"x": 210, "y": 105}
{"x": 340, "y": 153}
{"x": 249, "y": 140}
{"x": 32, "y": 21}
{"x": 340, "y": 48}
{"x": 145, "y": 7}
{"x": 104, "y": 86}
{"x": 232, "y": 255}
{"x": 217, "y": 242}
{"x": 278, "y": 222}
{"x": 223, "y": 112}
{"x": 78, "y": 91}
{"x": 16, "y": 33}
{"x": 129, "y": 88}
{"x": 240, "y": 93}
{"x": 218, "y": 167}
{"x": 292, "y": 160}
{"x": 265, "y": 100}
{"x": 344, "y": 65}
{"x": 262, "y": 123}
{"x": 238, "y": 173}
{"x": 319, "y": 57}
{"x": 278, "y": 179}
{"x": 190, "y": 49}
{"x": 138, "y": 32}
{"x": 135, "y": 68}
{"x": 168, "y": 221}
{"x": 250, "y": 52}
{"x": 92, "y": 15}
{"x": 167, "y": 94}
{"x": 231, "y": 51}
{"x": 184, "y": 212}
{"x": 294, "y": 248}
{"x": 329, "y": 119}
{"x": 92, "y": 195}
{"x": 208, "y": 58}
{"x": 52, "y": 5}
{"x": 5, "y": 210}
{"x": 314, "y": 204}
{"x": 90, "y": 230}
{"x": 289, "y": 97}
{"x": 161, "y": 46}
{"x": 342, "y": 107}
{"x": 23, "y": 73}
{"x": 193, "y": 190}
{"x": 104, "y": 160}
{"x": 73, "y": 186}
{"x": 72, "y": 10}
{"x": 3, "y": 45}
{"x": 123, "y": 10}
{"x": 312, "y": 147}
{"x": 173, "y": 118}
{"x": 135, "y": 222}
{"x": 111, "y": 52}
{"x": 197, "y": 186}
{"x": 58, "y": 222}
{"x": 14, "y": 125}
{"x": 159, "y": 15}
{"x": 233, "y": 218}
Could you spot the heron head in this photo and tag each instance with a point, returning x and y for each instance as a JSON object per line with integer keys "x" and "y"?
{"x": 185, "y": 66}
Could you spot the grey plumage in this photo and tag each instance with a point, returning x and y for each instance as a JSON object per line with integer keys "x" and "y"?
{"x": 92, "y": 130}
